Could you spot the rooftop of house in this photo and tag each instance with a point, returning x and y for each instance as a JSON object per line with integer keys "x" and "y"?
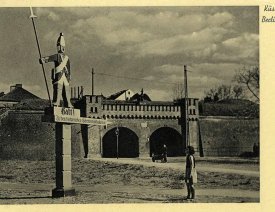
{"x": 17, "y": 93}
{"x": 116, "y": 95}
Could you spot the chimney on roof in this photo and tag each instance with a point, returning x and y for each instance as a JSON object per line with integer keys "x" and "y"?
{"x": 12, "y": 87}
{"x": 18, "y": 86}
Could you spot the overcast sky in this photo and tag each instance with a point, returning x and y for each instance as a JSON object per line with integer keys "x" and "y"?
{"x": 150, "y": 43}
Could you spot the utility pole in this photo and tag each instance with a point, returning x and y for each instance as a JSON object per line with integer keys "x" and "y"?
{"x": 186, "y": 107}
{"x": 93, "y": 81}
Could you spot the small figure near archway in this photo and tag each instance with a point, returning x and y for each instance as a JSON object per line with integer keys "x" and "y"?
{"x": 162, "y": 155}
{"x": 169, "y": 137}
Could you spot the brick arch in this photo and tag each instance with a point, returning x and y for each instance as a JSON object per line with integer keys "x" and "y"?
{"x": 128, "y": 143}
{"x": 168, "y": 136}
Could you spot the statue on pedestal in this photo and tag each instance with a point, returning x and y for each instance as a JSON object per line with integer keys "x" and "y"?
{"x": 61, "y": 74}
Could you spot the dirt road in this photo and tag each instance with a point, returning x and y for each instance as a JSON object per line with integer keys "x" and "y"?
{"x": 230, "y": 168}
{"x": 98, "y": 180}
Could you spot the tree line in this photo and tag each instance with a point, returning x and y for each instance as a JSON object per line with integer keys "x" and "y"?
{"x": 244, "y": 85}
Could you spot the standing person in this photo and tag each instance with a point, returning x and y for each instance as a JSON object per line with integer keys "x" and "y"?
{"x": 190, "y": 173}
{"x": 61, "y": 74}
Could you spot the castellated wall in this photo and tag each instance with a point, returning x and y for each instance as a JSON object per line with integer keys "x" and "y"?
{"x": 227, "y": 136}
{"x": 24, "y": 136}
{"x": 143, "y": 119}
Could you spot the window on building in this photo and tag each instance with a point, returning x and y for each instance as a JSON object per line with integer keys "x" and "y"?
{"x": 92, "y": 109}
{"x": 194, "y": 111}
{"x": 95, "y": 109}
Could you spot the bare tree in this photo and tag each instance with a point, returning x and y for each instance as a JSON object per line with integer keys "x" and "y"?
{"x": 250, "y": 78}
{"x": 210, "y": 94}
{"x": 237, "y": 91}
{"x": 224, "y": 91}
{"x": 218, "y": 93}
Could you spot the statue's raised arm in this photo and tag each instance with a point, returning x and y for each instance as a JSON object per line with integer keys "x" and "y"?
{"x": 61, "y": 74}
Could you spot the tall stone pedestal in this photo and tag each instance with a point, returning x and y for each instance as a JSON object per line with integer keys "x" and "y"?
{"x": 63, "y": 161}
{"x": 63, "y": 117}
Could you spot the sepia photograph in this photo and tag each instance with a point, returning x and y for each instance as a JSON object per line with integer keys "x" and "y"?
{"x": 130, "y": 104}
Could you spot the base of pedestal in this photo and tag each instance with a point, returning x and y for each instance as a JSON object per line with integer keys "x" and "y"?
{"x": 60, "y": 192}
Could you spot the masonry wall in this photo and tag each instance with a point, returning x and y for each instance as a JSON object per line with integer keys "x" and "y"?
{"x": 228, "y": 136}
{"x": 194, "y": 135}
{"x": 24, "y": 136}
{"x": 141, "y": 127}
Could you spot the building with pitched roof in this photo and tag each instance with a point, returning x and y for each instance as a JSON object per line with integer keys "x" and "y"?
{"x": 122, "y": 95}
{"x": 17, "y": 94}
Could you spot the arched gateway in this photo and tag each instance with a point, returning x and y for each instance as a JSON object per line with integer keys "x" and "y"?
{"x": 127, "y": 140}
{"x": 170, "y": 137}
